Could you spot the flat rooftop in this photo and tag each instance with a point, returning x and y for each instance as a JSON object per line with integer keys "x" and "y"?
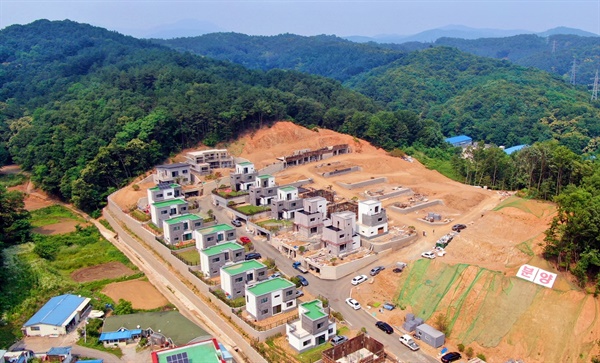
{"x": 217, "y": 249}
{"x": 203, "y": 352}
{"x": 314, "y": 309}
{"x": 183, "y": 218}
{"x": 243, "y": 267}
{"x": 269, "y": 286}
{"x": 169, "y": 202}
{"x": 216, "y": 228}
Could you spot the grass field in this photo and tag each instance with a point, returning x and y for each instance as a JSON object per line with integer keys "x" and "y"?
{"x": 52, "y": 215}
{"x": 12, "y": 180}
{"x": 192, "y": 256}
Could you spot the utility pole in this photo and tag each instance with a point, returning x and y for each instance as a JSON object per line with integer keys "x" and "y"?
{"x": 574, "y": 71}
{"x": 595, "y": 87}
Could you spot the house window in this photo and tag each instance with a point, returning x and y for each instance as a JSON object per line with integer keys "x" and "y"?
{"x": 289, "y": 293}
{"x": 376, "y": 209}
{"x": 379, "y": 219}
{"x": 264, "y": 300}
{"x": 312, "y": 219}
{"x": 319, "y": 326}
{"x": 250, "y": 277}
{"x": 289, "y": 304}
{"x": 183, "y": 208}
{"x": 276, "y": 296}
{"x": 262, "y": 273}
{"x": 35, "y": 328}
{"x": 163, "y": 212}
{"x": 313, "y": 230}
{"x": 239, "y": 279}
{"x": 305, "y": 343}
{"x": 176, "y": 238}
{"x": 247, "y": 299}
{"x": 238, "y": 254}
{"x": 220, "y": 237}
{"x": 176, "y": 228}
{"x": 159, "y": 195}
{"x": 169, "y": 194}
{"x": 184, "y": 172}
{"x": 216, "y": 259}
{"x": 330, "y": 331}
{"x": 209, "y": 239}
{"x": 198, "y": 224}
{"x": 264, "y": 312}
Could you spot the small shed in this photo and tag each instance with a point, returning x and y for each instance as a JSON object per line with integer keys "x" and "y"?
{"x": 431, "y": 336}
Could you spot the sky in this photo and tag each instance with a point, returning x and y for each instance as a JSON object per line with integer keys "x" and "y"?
{"x": 141, "y": 18}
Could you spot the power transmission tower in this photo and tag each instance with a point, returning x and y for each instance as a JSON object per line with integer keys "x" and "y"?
{"x": 595, "y": 87}
{"x": 574, "y": 71}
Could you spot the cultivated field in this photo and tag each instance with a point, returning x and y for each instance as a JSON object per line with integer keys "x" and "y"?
{"x": 142, "y": 294}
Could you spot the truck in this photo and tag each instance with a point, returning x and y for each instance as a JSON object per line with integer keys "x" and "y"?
{"x": 298, "y": 266}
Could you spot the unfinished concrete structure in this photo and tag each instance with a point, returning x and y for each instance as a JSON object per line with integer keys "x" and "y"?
{"x": 263, "y": 191}
{"x": 204, "y": 161}
{"x": 360, "y": 349}
{"x": 304, "y": 156}
{"x": 309, "y": 221}
{"x": 339, "y": 233}
{"x": 372, "y": 219}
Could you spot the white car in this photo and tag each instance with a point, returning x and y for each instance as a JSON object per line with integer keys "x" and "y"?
{"x": 409, "y": 342}
{"x": 350, "y": 301}
{"x": 428, "y": 254}
{"x": 358, "y": 279}
{"x": 440, "y": 251}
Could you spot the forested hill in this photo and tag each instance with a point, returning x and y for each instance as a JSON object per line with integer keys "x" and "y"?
{"x": 487, "y": 99}
{"x": 554, "y": 54}
{"x": 328, "y": 56}
{"x": 85, "y": 109}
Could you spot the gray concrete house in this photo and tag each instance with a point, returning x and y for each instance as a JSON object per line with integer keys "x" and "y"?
{"x": 312, "y": 329}
{"x": 215, "y": 257}
{"x": 244, "y": 176}
{"x": 173, "y": 173}
{"x": 287, "y": 203}
{"x": 263, "y": 191}
{"x": 270, "y": 297}
{"x": 204, "y": 161}
{"x": 372, "y": 219}
{"x": 181, "y": 229}
{"x": 209, "y": 236}
{"x": 160, "y": 211}
{"x": 339, "y": 233}
{"x": 309, "y": 220}
{"x": 234, "y": 278}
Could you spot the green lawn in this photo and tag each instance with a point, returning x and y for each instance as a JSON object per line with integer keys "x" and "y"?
{"x": 191, "y": 256}
{"x": 314, "y": 354}
{"x": 140, "y": 216}
{"x": 12, "y": 180}
{"x": 251, "y": 209}
{"x": 52, "y": 215}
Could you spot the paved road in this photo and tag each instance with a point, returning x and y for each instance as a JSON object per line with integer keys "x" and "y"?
{"x": 335, "y": 291}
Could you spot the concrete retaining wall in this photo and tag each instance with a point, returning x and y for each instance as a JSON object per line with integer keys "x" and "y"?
{"x": 272, "y": 169}
{"x": 362, "y": 183}
{"x": 393, "y": 245}
{"x": 393, "y": 194}
{"x": 115, "y": 213}
{"x": 329, "y": 174}
{"x": 416, "y": 207}
{"x": 345, "y": 269}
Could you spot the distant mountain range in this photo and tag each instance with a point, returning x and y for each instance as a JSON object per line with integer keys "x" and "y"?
{"x": 463, "y": 32}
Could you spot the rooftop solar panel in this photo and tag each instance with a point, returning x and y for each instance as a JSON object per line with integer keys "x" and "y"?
{"x": 178, "y": 358}
{"x": 164, "y": 185}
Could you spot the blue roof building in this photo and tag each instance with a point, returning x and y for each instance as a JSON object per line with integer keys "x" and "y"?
{"x": 59, "y": 354}
{"x": 513, "y": 149}
{"x": 460, "y": 140}
{"x": 58, "y": 316}
{"x": 120, "y": 336}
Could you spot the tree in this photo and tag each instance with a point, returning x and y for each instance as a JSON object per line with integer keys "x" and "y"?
{"x": 15, "y": 226}
{"x": 123, "y": 307}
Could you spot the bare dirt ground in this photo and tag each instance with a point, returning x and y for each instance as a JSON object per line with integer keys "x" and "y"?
{"x": 142, "y": 294}
{"x": 109, "y": 270}
{"x": 64, "y": 226}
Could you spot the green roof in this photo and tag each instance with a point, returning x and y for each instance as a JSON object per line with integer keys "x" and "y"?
{"x": 204, "y": 352}
{"x": 243, "y": 267}
{"x": 288, "y": 189}
{"x": 264, "y": 176}
{"x": 314, "y": 309}
{"x": 268, "y": 286}
{"x": 171, "y": 324}
{"x": 169, "y": 202}
{"x": 214, "y": 250}
{"x": 183, "y": 218}
{"x": 216, "y": 228}
{"x": 173, "y": 185}
{"x": 244, "y": 163}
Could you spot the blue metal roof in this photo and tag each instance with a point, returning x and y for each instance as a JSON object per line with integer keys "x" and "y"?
{"x": 511, "y": 150}
{"x": 59, "y": 351}
{"x": 458, "y": 139}
{"x": 225, "y": 353}
{"x": 56, "y": 311}
{"x": 119, "y": 335}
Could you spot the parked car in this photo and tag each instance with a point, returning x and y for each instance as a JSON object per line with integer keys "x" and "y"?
{"x": 409, "y": 342}
{"x": 338, "y": 339}
{"x": 440, "y": 251}
{"x": 451, "y": 357}
{"x": 298, "y": 266}
{"x": 385, "y": 327}
{"x": 428, "y": 254}
{"x": 458, "y": 227}
{"x": 388, "y": 306}
{"x": 245, "y": 240}
{"x": 274, "y": 276}
{"x": 303, "y": 280}
{"x": 236, "y": 222}
{"x": 253, "y": 256}
{"x": 355, "y": 305}
{"x": 377, "y": 269}
{"x": 400, "y": 266}
{"x": 299, "y": 293}
{"x": 359, "y": 279}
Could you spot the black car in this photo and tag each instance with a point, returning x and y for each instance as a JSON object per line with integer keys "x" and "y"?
{"x": 451, "y": 357}
{"x": 253, "y": 256}
{"x": 303, "y": 280}
{"x": 385, "y": 327}
{"x": 458, "y": 227}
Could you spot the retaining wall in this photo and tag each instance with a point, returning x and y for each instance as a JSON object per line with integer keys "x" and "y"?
{"x": 393, "y": 194}
{"x": 329, "y": 174}
{"x": 345, "y": 269}
{"x": 362, "y": 183}
{"x": 393, "y": 245}
{"x": 415, "y": 207}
